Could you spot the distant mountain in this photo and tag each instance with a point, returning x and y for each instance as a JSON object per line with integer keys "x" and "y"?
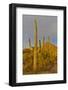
{"x": 50, "y": 44}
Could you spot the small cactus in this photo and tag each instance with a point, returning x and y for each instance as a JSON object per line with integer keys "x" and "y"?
{"x": 29, "y": 43}
{"x": 43, "y": 41}
{"x": 48, "y": 39}
{"x": 40, "y": 43}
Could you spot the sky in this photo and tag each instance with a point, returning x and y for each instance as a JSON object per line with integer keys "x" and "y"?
{"x": 47, "y": 26}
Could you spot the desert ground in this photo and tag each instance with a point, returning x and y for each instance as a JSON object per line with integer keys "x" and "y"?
{"x": 46, "y": 60}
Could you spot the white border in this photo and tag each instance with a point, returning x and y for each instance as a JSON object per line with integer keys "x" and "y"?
{"x": 19, "y": 32}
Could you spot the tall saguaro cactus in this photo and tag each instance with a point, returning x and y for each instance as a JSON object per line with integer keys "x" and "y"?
{"x": 35, "y": 44}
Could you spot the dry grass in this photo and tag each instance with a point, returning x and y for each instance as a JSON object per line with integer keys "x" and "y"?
{"x": 46, "y": 60}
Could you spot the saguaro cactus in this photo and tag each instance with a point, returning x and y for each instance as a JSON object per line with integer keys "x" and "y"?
{"x": 40, "y": 43}
{"x": 43, "y": 41}
{"x": 35, "y": 44}
{"x": 48, "y": 38}
{"x": 29, "y": 43}
{"x": 48, "y": 47}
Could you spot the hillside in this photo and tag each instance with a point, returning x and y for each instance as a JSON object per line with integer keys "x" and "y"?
{"x": 46, "y": 59}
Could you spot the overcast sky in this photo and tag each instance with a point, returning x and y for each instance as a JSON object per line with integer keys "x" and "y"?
{"x": 47, "y": 26}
